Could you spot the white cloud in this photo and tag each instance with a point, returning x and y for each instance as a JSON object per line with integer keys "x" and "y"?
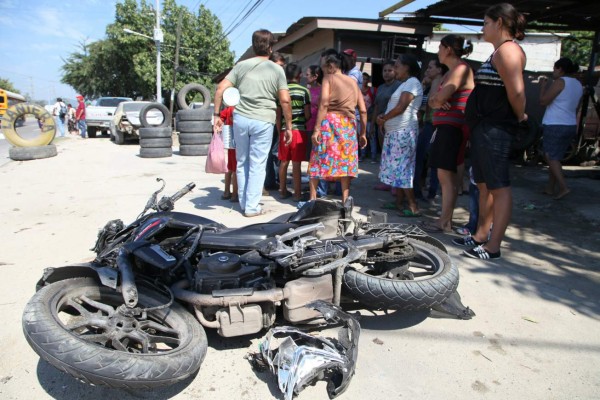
{"x": 54, "y": 23}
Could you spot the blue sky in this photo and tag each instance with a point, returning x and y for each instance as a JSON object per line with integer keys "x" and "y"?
{"x": 38, "y": 34}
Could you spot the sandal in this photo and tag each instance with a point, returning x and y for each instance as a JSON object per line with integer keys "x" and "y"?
{"x": 226, "y": 196}
{"x": 409, "y": 213}
{"x": 431, "y": 228}
{"x": 382, "y": 186}
{"x": 255, "y": 214}
{"x": 285, "y": 195}
{"x": 234, "y": 199}
{"x": 390, "y": 205}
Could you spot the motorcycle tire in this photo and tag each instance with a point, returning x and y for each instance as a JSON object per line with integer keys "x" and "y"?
{"x": 95, "y": 360}
{"x": 382, "y": 292}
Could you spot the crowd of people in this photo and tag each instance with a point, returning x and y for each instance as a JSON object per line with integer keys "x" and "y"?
{"x": 420, "y": 124}
{"x": 70, "y": 121}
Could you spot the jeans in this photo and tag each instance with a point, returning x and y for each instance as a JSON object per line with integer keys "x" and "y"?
{"x": 272, "y": 166}
{"x": 473, "y": 208}
{"x": 322, "y": 188}
{"x": 372, "y": 142}
{"x": 423, "y": 144}
{"x": 253, "y": 139}
{"x": 82, "y": 127}
{"x": 60, "y": 125}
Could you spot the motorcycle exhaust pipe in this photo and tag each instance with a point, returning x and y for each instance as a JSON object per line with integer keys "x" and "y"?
{"x": 128, "y": 287}
{"x": 203, "y": 300}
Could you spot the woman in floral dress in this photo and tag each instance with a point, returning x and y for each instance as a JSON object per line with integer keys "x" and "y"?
{"x": 334, "y": 155}
{"x": 401, "y": 129}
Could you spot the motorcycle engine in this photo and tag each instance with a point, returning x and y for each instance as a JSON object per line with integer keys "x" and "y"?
{"x": 227, "y": 271}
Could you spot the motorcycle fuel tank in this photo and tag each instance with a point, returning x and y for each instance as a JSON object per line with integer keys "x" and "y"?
{"x": 221, "y": 263}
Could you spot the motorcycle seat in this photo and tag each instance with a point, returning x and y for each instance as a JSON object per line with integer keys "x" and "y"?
{"x": 244, "y": 238}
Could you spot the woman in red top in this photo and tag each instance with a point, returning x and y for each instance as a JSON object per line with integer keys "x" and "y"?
{"x": 448, "y": 120}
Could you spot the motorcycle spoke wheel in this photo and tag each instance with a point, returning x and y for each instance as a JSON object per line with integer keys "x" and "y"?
{"x": 103, "y": 324}
{"x": 84, "y": 329}
{"x": 424, "y": 280}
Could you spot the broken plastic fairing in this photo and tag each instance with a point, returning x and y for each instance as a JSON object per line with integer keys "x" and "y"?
{"x": 301, "y": 359}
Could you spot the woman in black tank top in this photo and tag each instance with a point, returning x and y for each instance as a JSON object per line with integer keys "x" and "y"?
{"x": 493, "y": 110}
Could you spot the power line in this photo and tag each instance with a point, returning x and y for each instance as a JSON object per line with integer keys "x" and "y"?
{"x": 251, "y": 22}
{"x": 248, "y": 13}
{"x": 236, "y": 17}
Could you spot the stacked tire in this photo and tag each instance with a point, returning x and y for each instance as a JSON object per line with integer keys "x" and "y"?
{"x": 194, "y": 124}
{"x": 156, "y": 141}
{"x": 29, "y": 148}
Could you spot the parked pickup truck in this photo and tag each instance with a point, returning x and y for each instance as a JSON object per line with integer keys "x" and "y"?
{"x": 100, "y": 113}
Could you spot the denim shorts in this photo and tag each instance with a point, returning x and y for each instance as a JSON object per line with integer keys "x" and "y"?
{"x": 490, "y": 151}
{"x": 557, "y": 139}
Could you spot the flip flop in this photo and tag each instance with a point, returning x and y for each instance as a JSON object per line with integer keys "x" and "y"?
{"x": 390, "y": 205}
{"x": 429, "y": 227}
{"x": 562, "y": 194}
{"x": 409, "y": 213}
{"x": 285, "y": 195}
{"x": 382, "y": 186}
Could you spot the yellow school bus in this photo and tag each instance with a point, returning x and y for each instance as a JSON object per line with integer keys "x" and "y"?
{"x": 8, "y": 99}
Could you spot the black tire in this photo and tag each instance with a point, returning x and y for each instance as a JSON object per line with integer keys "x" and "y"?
{"x": 194, "y": 138}
{"x": 195, "y": 114}
{"x": 187, "y": 89}
{"x": 98, "y": 362}
{"x": 155, "y": 152}
{"x": 193, "y": 149}
{"x": 195, "y": 126}
{"x": 119, "y": 137}
{"x": 16, "y": 112}
{"x": 156, "y": 143}
{"x": 155, "y": 106}
{"x": 382, "y": 292}
{"x": 91, "y": 132}
{"x": 32, "y": 153}
{"x": 153, "y": 133}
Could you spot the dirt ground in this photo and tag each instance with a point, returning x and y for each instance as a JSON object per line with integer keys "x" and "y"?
{"x": 536, "y": 308}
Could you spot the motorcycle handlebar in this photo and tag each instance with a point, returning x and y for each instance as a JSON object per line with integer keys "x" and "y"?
{"x": 183, "y": 191}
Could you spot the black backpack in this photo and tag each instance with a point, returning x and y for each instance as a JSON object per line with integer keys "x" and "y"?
{"x": 63, "y": 111}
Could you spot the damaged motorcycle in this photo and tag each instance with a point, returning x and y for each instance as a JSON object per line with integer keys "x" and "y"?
{"x": 135, "y": 316}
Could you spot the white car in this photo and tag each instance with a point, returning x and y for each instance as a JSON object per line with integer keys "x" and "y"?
{"x": 126, "y": 121}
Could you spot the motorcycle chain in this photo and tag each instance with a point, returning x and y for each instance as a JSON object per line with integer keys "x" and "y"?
{"x": 393, "y": 254}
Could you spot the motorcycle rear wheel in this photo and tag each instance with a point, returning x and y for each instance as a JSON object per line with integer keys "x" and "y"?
{"x": 70, "y": 325}
{"x": 421, "y": 282}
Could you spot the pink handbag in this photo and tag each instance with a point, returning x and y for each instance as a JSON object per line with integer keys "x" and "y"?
{"x": 216, "y": 163}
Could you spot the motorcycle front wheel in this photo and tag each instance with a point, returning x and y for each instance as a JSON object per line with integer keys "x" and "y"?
{"x": 75, "y": 325}
{"x": 424, "y": 280}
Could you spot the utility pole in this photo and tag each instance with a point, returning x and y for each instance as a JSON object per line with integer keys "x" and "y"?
{"x": 158, "y": 38}
{"x": 176, "y": 65}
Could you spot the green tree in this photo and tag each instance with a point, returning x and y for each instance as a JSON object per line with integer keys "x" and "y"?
{"x": 578, "y": 47}
{"x": 8, "y": 85}
{"x": 123, "y": 64}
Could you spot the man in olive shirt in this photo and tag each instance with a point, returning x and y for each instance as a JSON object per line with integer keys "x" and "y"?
{"x": 260, "y": 82}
